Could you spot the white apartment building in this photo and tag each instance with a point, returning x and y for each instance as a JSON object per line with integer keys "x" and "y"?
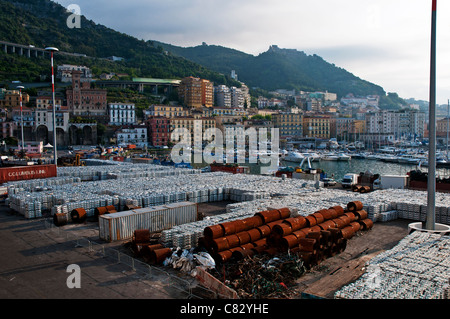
{"x": 222, "y": 96}
{"x": 44, "y": 116}
{"x": 134, "y": 134}
{"x": 121, "y": 113}
{"x": 64, "y": 73}
{"x": 405, "y": 123}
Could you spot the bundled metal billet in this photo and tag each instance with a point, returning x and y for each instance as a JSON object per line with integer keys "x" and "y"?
{"x": 418, "y": 267}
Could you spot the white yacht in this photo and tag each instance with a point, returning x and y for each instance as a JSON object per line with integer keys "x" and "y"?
{"x": 293, "y": 156}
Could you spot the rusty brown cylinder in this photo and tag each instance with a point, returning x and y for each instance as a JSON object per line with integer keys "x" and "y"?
{"x": 366, "y": 224}
{"x": 240, "y": 225}
{"x": 339, "y": 210}
{"x": 233, "y": 240}
{"x": 241, "y": 254}
{"x": 284, "y": 212}
{"x": 361, "y": 214}
{"x": 161, "y": 254}
{"x": 347, "y": 232}
{"x": 296, "y": 223}
{"x": 276, "y": 222}
{"x": 319, "y": 217}
{"x": 356, "y": 188}
{"x": 244, "y": 237}
{"x": 301, "y": 233}
{"x": 282, "y": 229}
{"x": 316, "y": 228}
{"x": 78, "y": 215}
{"x": 110, "y": 207}
{"x": 351, "y": 216}
{"x": 141, "y": 236}
{"x": 346, "y": 220}
{"x": 333, "y": 212}
{"x": 254, "y": 221}
{"x": 327, "y": 214}
{"x": 229, "y": 228}
{"x": 364, "y": 189}
{"x": 269, "y": 216}
{"x": 307, "y": 244}
{"x": 289, "y": 241}
{"x": 214, "y": 231}
{"x": 220, "y": 244}
{"x": 254, "y": 234}
{"x": 259, "y": 249}
{"x": 260, "y": 242}
{"x": 335, "y": 234}
{"x": 98, "y": 211}
{"x": 311, "y": 221}
{"x": 223, "y": 256}
{"x": 147, "y": 250}
{"x": 356, "y": 226}
{"x": 355, "y": 206}
{"x": 327, "y": 224}
{"x": 60, "y": 219}
{"x": 264, "y": 230}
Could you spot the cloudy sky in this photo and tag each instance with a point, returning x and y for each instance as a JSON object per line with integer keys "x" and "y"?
{"x": 386, "y": 42}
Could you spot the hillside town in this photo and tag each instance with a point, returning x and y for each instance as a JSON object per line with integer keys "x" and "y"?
{"x": 83, "y": 106}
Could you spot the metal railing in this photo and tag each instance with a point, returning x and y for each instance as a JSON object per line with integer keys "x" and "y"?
{"x": 147, "y": 272}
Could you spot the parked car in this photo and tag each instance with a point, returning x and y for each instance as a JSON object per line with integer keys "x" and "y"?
{"x": 328, "y": 182}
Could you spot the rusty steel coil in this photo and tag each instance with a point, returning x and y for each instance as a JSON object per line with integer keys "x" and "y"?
{"x": 366, "y": 224}
{"x": 356, "y": 226}
{"x": 301, "y": 233}
{"x": 327, "y": 214}
{"x": 240, "y": 225}
{"x": 272, "y": 224}
{"x": 147, "y": 250}
{"x": 259, "y": 249}
{"x": 254, "y": 234}
{"x": 98, "y": 211}
{"x": 307, "y": 244}
{"x": 351, "y": 216}
{"x": 284, "y": 213}
{"x": 269, "y": 216}
{"x": 159, "y": 255}
{"x": 327, "y": 224}
{"x": 260, "y": 242}
{"x": 311, "y": 221}
{"x": 220, "y": 244}
{"x": 316, "y": 228}
{"x": 229, "y": 228}
{"x": 244, "y": 237}
{"x": 110, "y": 207}
{"x": 223, "y": 256}
{"x": 233, "y": 240}
{"x": 141, "y": 236}
{"x": 347, "y": 232}
{"x": 296, "y": 223}
{"x": 289, "y": 241}
{"x": 282, "y": 229}
{"x": 60, "y": 219}
{"x": 361, "y": 214}
{"x": 241, "y": 254}
{"x": 264, "y": 230}
{"x": 345, "y": 219}
{"x": 214, "y": 231}
{"x": 355, "y": 206}
{"x": 339, "y": 210}
{"x": 319, "y": 217}
{"x": 78, "y": 215}
{"x": 254, "y": 221}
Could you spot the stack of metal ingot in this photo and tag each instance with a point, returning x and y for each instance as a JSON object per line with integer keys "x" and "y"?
{"x": 315, "y": 237}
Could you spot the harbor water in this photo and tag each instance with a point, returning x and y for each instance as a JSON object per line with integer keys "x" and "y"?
{"x": 337, "y": 169}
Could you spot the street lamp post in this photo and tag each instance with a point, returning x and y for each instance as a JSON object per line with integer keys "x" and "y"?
{"x": 21, "y": 117}
{"x": 55, "y": 156}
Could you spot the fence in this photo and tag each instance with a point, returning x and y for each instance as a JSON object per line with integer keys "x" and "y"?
{"x": 188, "y": 289}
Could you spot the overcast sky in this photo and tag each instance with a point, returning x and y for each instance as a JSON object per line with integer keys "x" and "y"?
{"x": 386, "y": 42}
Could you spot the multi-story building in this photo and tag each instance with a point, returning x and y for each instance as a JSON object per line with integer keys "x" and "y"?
{"x": 7, "y": 127}
{"x": 121, "y": 113}
{"x": 222, "y": 96}
{"x": 45, "y": 101}
{"x": 133, "y": 134}
{"x": 442, "y": 127}
{"x": 290, "y": 124}
{"x": 196, "y": 92}
{"x": 64, "y": 73}
{"x": 166, "y": 111}
{"x": 316, "y": 126}
{"x": 192, "y": 124}
{"x": 158, "y": 128}
{"x": 44, "y": 117}
{"x": 83, "y": 100}
{"x": 404, "y": 123}
{"x": 11, "y": 98}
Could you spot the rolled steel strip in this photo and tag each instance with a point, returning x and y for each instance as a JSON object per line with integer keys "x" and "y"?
{"x": 361, "y": 214}
{"x": 355, "y": 206}
{"x": 244, "y": 237}
{"x": 214, "y": 231}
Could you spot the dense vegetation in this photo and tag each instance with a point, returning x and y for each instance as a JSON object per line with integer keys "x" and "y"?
{"x": 42, "y": 23}
{"x": 279, "y": 69}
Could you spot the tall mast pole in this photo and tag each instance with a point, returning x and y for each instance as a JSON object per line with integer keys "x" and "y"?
{"x": 430, "y": 221}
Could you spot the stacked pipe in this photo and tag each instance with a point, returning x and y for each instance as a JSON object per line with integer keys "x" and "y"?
{"x": 151, "y": 252}
{"x": 314, "y": 237}
{"x": 241, "y": 237}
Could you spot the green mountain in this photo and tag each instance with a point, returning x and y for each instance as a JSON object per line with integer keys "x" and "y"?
{"x": 278, "y": 69}
{"x": 43, "y": 23}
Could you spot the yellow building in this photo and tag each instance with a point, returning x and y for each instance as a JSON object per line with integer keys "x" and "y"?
{"x": 316, "y": 126}
{"x": 192, "y": 124}
{"x": 169, "y": 111}
{"x": 11, "y": 98}
{"x": 290, "y": 124}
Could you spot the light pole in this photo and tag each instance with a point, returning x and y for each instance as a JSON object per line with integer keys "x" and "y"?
{"x": 21, "y": 116}
{"x": 55, "y": 156}
{"x": 430, "y": 221}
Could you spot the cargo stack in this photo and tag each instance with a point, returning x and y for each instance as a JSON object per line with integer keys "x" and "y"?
{"x": 315, "y": 237}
